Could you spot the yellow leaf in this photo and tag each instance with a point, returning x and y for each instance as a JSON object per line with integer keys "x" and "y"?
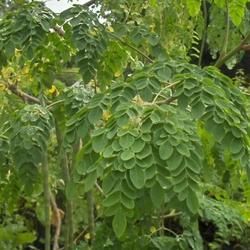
{"x": 110, "y": 29}
{"x": 117, "y": 73}
{"x": 153, "y": 230}
{"x": 106, "y": 115}
{"x": 2, "y": 87}
{"x": 53, "y": 90}
{"x": 87, "y": 236}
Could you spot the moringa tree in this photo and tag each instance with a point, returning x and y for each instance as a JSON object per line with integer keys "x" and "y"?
{"x": 145, "y": 137}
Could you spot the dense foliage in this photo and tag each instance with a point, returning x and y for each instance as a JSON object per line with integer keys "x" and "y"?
{"x": 148, "y": 148}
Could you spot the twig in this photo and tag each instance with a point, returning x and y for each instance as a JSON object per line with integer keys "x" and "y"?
{"x": 204, "y": 35}
{"x": 171, "y": 214}
{"x": 51, "y": 105}
{"x": 166, "y": 87}
{"x": 99, "y": 188}
{"x": 129, "y": 11}
{"x": 170, "y": 231}
{"x": 165, "y": 229}
{"x": 168, "y": 101}
{"x": 131, "y": 46}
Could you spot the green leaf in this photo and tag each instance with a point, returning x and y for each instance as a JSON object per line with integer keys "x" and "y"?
{"x": 127, "y": 202}
{"x": 116, "y": 146}
{"x": 236, "y": 146}
{"x": 237, "y": 11}
{"x": 128, "y": 190}
{"x": 165, "y": 150}
{"x": 174, "y": 161}
{"x": 127, "y": 155}
{"x": 123, "y": 120}
{"x": 169, "y": 128}
{"x": 165, "y": 243}
{"x": 138, "y": 146}
{"x": 95, "y": 115}
{"x": 119, "y": 223}
{"x": 183, "y": 149}
{"x": 108, "y": 183}
{"x": 147, "y": 150}
{"x": 99, "y": 143}
{"x": 112, "y": 199}
{"x": 127, "y": 140}
{"x": 155, "y": 118}
{"x": 164, "y": 74}
{"x": 193, "y": 7}
{"x": 198, "y": 110}
{"x": 130, "y": 163}
{"x": 108, "y": 152}
{"x": 157, "y": 195}
{"x": 192, "y": 202}
{"x": 183, "y": 101}
{"x": 137, "y": 177}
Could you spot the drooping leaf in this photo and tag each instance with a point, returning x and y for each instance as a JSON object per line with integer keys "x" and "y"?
{"x": 119, "y": 223}
{"x": 157, "y": 195}
{"x": 165, "y": 150}
{"x": 137, "y": 177}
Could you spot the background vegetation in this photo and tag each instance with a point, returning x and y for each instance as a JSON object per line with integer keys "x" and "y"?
{"x": 125, "y": 125}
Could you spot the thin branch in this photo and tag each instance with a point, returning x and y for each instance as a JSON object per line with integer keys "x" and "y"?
{"x": 24, "y": 96}
{"x": 165, "y": 229}
{"x": 166, "y": 87}
{"x": 131, "y": 46}
{"x": 51, "y": 105}
{"x": 99, "y": 188}
{"x": 170, "y": 215}
{"x": 232, "y": 52}
{"x": 168, "y": 101}
{"x": 204, "y": 35}
{"x": 170, "y": 231}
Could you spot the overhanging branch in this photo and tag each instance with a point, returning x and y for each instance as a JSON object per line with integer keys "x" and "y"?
{"x": 24, "y": 96}
{"x": 232, "y": 52}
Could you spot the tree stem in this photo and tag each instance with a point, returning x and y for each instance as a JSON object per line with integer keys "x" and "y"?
{"x": 46, "y": 190}
{"x": 225, "y": 42}
{"x": 204, "y": 35}
{"x": 63, "y": 162}
{"x": 91, "y": 216}
{"x": 58, "y": 221}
